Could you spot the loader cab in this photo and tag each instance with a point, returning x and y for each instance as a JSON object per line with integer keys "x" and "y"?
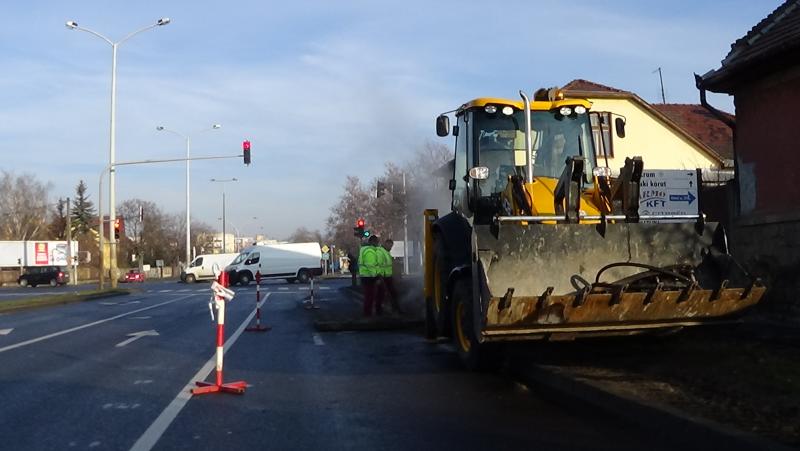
{"x": 490, "y": 133}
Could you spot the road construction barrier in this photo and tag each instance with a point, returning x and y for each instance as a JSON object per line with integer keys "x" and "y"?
{"x": 258, "y": 327}
{"x": 221, "y": 295}
{"x": 310, "y": 303}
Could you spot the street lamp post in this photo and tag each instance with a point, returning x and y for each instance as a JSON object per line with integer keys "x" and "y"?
{"x": 72, "y": 25}
{"x": 188, "y": 140}
{"x": 223, "y": 181}
{"x": 236, "y": 237}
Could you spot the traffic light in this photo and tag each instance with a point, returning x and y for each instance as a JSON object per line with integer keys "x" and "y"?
{"x": 246, "y": 151}
{"x": 117, "y": 227}
{"x": 358, "y": 230}
{"x": 380, "y": 189}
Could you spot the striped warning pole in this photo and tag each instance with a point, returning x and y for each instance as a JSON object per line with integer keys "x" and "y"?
{"x": 258, "y": 327}
{"x": 311, "y": 304}
{"x": 221, "y": 295}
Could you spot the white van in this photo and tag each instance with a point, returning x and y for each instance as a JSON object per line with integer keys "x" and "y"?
{"x": 291, "y": 261}
{"x": 202, "y": 267}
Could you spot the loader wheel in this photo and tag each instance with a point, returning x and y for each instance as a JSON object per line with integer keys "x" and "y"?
{"x": 439, "y": 307}
{"x": 476, "y": 356}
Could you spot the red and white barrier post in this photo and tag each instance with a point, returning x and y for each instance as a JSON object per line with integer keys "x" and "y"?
{"x": 258, "y": 327}
{"x": 221, "y": 295}
{"x": 310, "y": 304}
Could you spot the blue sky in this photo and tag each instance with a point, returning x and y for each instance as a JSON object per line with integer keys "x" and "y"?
{"x": 322, "y": 89}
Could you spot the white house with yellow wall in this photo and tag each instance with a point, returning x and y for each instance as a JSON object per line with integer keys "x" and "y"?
{"x": 666, "y": 136}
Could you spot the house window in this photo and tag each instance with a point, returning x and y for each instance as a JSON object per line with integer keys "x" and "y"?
{"x": 601, "y": 133}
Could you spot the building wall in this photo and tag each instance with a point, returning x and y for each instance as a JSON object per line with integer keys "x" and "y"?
{"x": 766, "y": 144}
{"x": 659, "y": 146}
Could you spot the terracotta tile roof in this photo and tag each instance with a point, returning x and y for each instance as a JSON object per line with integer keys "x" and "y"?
{"x": 702, "y": 125}
{"x": 586, "y": 85}
{"x": 776, "y": 35}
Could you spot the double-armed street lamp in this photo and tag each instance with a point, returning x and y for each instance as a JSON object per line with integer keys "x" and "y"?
{"x": 223, "y": 181}
{"x": 187, "y": 138}
{"x": 72, "y": 25}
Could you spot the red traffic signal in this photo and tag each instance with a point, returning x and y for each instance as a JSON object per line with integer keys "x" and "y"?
{"x": 360, "y": 223}
{"x": 119, "y": 227}
{"x": 246, "y": 151}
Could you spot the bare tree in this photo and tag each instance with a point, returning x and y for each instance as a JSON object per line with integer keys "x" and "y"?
{"x": 353, "y": 204}
{"x": 58, "y": 220}
{"x": 303, "y": 235}
{"x": 23, "y": 207}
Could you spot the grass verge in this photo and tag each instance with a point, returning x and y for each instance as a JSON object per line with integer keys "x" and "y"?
{"x": 59, "y": 299}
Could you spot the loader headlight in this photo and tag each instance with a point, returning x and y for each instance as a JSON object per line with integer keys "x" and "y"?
{"x": 580, "y": 109}
{"x": 565, "y": 111}
{"x": 508, "y": 111}
{"x": 479, "y": 173}
{"x": 491, "y": 109}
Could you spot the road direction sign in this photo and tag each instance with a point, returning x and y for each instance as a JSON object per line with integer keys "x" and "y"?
{"x": 668, "y": 192}
{"x": 326, "y": 256}
{"x": 325, "y": 248}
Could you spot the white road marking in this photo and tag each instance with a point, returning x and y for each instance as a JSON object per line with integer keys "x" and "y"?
{"x": 141, "y": 317}
{"x": 318, "y": 340}
{"x": 135, "y": 336}
{"x": 303, "y": 288}
{"x": 164, "y": 291}
{"x": 200, "y": 291}
{"x": 109, "y": 303}
{"x": 73, "y": 329}
{"x": 283, "y": 288}
{"x": 148, "y": 440}
{"x": 324, "y": 288}
{"x": 6, "y": 331}
{"x": 184, "y": 290}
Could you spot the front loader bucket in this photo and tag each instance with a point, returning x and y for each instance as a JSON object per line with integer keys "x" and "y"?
{"x": 541, "y": 280}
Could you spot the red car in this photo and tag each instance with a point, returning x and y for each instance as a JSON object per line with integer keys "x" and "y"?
{"x": 134, "y": 276}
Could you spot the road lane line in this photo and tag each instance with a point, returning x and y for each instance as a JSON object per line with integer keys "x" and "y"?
{"x": 318, "y": 340}
{"x": 112, "y": 318}
{"x": 153, "y": 433}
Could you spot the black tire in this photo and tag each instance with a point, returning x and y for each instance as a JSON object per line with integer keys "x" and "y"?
{"x": 303, "y": 276}
{"x": 476, "y": 356}
{"x": 291, "y": 279}
{"x": 53, "y": 283}
{"x": 244, "y": 278}
{"x": 23, "y": 282}
{"x": 440, "y": 308}
{"x": 430, "y": 319}
{"x": 189, "y": 278}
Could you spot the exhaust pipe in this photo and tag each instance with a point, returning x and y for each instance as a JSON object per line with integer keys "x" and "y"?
{"x": 529, "y": 156}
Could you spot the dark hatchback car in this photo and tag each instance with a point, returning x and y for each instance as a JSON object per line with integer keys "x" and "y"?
{"x": 41, "y": 275}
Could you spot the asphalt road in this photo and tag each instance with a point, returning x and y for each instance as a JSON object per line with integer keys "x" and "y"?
{"x": 73, "y": 377}
{"x": 17, "y": 292}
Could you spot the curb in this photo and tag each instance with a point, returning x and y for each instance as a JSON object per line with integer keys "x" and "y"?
{"x": 666, "y": 423}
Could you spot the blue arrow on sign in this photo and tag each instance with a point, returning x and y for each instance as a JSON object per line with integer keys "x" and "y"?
{"x": 689, "y": 197}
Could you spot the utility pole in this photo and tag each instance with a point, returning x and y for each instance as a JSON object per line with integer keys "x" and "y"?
{"x": 405, "y": 227}
{"x": 661, "y": 80}
{"x": 70, "y": 267}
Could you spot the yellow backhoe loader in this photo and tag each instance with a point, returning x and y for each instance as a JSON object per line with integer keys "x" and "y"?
{"x": 544, "y": 244}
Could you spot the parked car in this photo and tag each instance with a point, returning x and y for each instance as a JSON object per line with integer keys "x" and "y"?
{"x": 40, "y": 275}
{"x": 134, "y": 275}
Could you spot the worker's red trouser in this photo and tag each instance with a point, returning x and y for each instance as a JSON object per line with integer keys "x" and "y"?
{"x": 370, "y": 297}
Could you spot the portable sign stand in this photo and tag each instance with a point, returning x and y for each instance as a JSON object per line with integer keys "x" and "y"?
{"x": 258, "y": 327}
{"x": 221, "y": 295}
{"x": 310, "y": 303}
